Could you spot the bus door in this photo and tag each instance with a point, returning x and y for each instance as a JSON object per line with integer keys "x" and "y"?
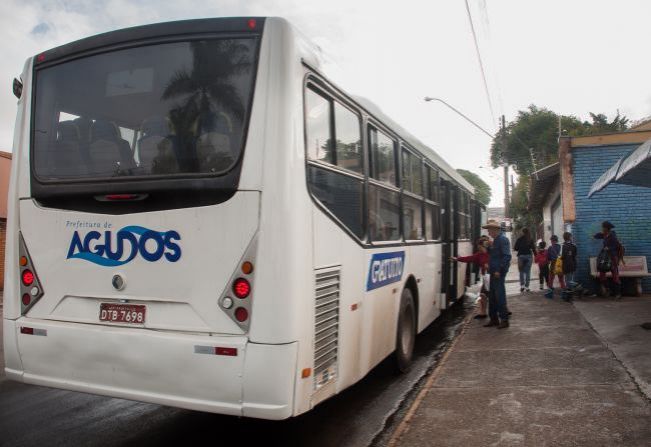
{"x": 448, "y": 239}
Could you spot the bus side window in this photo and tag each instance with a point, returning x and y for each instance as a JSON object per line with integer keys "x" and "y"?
{"x": 432, "y": 205}
{"x": 318, "y": 127}
{"x": 339, "y": 191}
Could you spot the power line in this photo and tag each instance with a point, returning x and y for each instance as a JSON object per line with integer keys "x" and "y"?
{"x": 481, "y": 63}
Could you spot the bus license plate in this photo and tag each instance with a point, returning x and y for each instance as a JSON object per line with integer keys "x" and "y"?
{"x": 122, "y": 313}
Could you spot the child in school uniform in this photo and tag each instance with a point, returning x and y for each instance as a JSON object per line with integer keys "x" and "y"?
{"x": 543, "y": 264}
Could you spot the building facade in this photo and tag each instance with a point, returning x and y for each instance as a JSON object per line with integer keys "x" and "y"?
{"x": 561, "y": 192}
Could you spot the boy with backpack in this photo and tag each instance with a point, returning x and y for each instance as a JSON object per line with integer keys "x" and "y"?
{"x": 543, "y": 264}
{"x": 553, "y": 255}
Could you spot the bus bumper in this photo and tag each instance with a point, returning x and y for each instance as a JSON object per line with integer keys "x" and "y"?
{"x": 218, "y": 374}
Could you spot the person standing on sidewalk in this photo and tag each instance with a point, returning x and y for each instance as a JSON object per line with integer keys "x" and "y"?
{"x": 543, "y": 265}
{"x": 568, "y": 249}
{"x": 615, "y": 250}
{"x": 553, "y": 254}
{"x": 525, "y": 248}
{"x": 499, "y": 260}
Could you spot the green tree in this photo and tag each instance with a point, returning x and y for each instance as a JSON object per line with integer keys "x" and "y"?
{"x": 600, "y": 124}
{"x": 535, "y": 132}
{"x": 483, "y": 192}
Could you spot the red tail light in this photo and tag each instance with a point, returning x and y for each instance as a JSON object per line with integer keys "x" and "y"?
{"x": 241, "y": 314}
{"x": 28, "y": 277}
{"x": 30, "y": 286}
{"x": 241, "y": 288}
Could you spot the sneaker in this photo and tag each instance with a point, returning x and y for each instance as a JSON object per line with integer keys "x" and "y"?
{"x": 527, "y": 289}
{"x": 479, "y": 317}
{"x": 549, "y": 294}
{"x": 503, "y": 325}
{"x": 542, "y": 287}
{"x": 492, "y": 323}
{"x": 521, "y": 289}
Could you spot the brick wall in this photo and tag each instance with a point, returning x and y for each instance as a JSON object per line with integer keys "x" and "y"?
{"x": 627, "y": 207}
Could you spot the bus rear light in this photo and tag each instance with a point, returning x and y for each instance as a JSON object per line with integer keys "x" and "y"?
{"x": 247, "y": 268}
{"x": 236, "y": 299}
{"x": 241, "y": 314}
{"x": 27, "y": 277}
{"x": 241, "y": 288}
{"x": 31, "y": 289}
{"x": 27, "y": 330}
{"x": 230, "y": 352}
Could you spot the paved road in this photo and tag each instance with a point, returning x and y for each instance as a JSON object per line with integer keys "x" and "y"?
{"x": 33, "y": 415}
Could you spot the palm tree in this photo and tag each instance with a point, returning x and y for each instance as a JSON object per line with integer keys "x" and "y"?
{"x": 209, "y": 87}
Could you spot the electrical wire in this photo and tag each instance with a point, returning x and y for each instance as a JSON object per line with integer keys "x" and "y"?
{"x": 481, "y": 63}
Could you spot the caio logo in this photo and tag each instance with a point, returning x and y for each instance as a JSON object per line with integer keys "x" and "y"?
{"x": 111, "y": 249}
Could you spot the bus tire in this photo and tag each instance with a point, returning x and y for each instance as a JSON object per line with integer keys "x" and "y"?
{"x": 406, "y": 332}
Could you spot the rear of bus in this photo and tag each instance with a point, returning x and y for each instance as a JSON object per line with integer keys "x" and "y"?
{"x": 134, "y": 221}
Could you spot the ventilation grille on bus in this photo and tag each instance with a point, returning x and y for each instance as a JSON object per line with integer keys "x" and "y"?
{"x": 326, "y": 325}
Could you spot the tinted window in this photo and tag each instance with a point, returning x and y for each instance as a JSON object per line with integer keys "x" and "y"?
{"x": 341, "y": 194}
{"x": 432, "y": 222}
{"x": 412, "y": 173}
{"x": 173, "y": 108}
{"x": 349, "y": 141}
{"x": 319, "y": 143}
{"x": 383, "y": 214}
{"x": 412, "y": 210}
{"x": 383, "y": 159}
{"x": 432, "y": 183}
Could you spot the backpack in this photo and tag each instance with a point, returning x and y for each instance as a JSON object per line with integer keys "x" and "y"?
{"x": 604, "y": 261}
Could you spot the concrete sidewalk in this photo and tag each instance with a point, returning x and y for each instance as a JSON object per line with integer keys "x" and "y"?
{"x": 549, "y": 379}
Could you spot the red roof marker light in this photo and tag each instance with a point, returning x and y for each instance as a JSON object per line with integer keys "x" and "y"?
{"x": 251, "y": 23}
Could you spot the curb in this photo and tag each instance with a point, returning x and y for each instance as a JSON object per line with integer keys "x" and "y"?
{"x": 403, "y": 427}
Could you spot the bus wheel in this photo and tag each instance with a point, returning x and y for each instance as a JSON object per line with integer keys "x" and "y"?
{"x": 406, "y": 335}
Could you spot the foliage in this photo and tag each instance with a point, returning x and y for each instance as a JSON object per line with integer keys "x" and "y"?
{"x": 483, "y": 192}
{"x": 534, "y": 133}
{"x": 523, "y": 217}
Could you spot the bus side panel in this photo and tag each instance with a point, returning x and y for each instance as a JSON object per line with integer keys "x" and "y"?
{"x": 18, "y": 187}
{"x": 333, "y": 247}
{"x": 428, "y": 270}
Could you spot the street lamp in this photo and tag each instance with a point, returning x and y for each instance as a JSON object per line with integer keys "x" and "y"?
{"x": 506, "y": 168}
{"x": 429, "y": 98}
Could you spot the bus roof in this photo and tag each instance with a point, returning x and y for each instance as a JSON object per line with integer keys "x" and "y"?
{"x": 428, "y": 152}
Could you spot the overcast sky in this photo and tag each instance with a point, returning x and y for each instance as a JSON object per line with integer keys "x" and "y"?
{"x": 573, "y": 57}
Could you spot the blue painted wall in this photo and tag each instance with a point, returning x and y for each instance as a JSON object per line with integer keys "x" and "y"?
{"x": 627, "y": 207}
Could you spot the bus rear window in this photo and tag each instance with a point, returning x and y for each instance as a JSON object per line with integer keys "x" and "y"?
{"x": 158, "y": 110}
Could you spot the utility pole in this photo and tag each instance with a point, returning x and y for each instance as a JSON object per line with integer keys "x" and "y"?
{"x": 505, "y": 166}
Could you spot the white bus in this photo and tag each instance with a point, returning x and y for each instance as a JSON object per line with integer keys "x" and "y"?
{"x": 199, "y": 218}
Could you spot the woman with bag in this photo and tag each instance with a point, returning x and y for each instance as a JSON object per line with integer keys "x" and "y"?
{"x": 609, "y": 258}
{"x": 525, "y": 248}
{"x": 555, "y": 257}
{"x": 480, "y": 259}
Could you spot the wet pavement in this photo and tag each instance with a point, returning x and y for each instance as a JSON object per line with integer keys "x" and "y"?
{"x": 32, "y": 415}
{"x": 549, "y": 379}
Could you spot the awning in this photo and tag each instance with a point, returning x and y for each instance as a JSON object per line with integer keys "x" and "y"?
{"x": 541, "y": 183}
{"x": 634, "y": 169}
